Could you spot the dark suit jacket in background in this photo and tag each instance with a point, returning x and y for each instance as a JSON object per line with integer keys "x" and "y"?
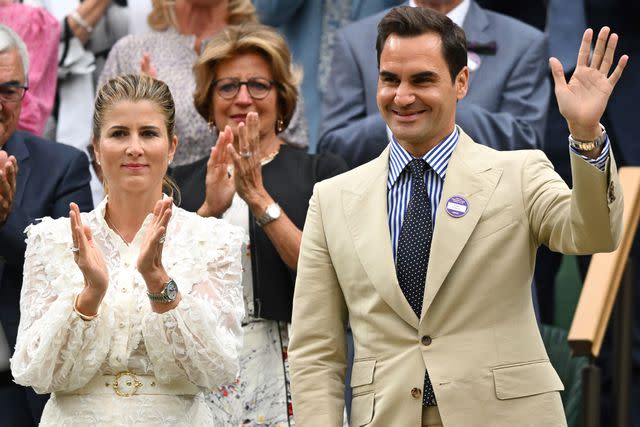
{"x": 505, "y": 107}
{"x": 50, "y": 176}
{"x": 289, "y": 179}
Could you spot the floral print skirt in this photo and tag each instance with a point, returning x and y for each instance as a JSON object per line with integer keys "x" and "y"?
{"x": 261, "y": 395}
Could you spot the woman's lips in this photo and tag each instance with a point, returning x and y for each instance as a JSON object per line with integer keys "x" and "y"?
{"x": 134, "y": 166}
{"x": 239, "y": 118}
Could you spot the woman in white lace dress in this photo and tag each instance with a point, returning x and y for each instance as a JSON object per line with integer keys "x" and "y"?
{"x": 129, "y": 311}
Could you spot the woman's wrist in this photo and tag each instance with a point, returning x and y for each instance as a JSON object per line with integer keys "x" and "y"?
{"x": 155, "y": 280}
{"x": 258, "y": 201}
{"x": 87, "y": 302}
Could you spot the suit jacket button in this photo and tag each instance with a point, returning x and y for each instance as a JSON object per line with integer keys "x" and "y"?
{"x": 426, "y": 340}
{"x": 416, "y": 393}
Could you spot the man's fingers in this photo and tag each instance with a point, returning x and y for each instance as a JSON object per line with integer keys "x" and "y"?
{"x": 607, "y": 60}
{"x": 615, "y": 76}
{"x": 585, "y": 48}
{"x": 598, "y": 51}
{"x": 557, "y": 72}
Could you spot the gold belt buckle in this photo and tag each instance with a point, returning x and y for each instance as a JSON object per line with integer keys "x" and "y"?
{"x": 129, "y": 386}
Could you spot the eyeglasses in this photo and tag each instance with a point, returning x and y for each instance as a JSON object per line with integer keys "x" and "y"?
{"x": 229, "y": 87}
{"x": 12, "y": 92}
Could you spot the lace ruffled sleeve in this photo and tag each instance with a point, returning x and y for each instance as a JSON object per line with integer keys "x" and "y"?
{"x": 55, "y": 349}
{"x": 204, "y": 332}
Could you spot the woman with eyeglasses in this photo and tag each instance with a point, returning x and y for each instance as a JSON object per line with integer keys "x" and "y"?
{"x": 180, "y": 31}
{"x": 247, "y": 88}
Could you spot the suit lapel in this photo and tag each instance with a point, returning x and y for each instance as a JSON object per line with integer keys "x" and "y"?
{"x": 365, "y": 211}
{"x": 476, "y": 25}
{"x": 468, "y": 175}
{"x": 15, "y": 146}
{"x": 476, "y": 28}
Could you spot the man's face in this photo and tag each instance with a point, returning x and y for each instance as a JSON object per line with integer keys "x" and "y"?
{"x": 416, "y": 96}
{"x": 10, "y": 72}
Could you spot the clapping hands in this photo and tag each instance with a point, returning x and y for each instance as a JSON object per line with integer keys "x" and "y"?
{"x": 88, "y": 256}
{"x": 8, "y": 174}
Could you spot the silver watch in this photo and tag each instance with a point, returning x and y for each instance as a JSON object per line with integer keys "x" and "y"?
{"x": 588, "y": 145}
{"x": 272, "y": 213}
{"x": 168, "y": 294}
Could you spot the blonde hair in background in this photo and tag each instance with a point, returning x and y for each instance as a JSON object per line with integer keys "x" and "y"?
{"x": 135, "y": 88}
{"x": 163, "y": 13}
{"x": 241, "y": 39}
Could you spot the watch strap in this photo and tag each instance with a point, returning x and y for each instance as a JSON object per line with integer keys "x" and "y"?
{"x": 588, "y": 145}
{"x": 266, "y": 217}
{"x": 162, "y": 295}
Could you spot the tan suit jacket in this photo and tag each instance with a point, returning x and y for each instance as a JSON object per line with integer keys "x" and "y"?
{"x": 477, "y": 334}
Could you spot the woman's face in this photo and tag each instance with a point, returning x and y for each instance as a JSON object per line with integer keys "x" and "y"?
{"x": 234, "y": 111}
{"x": 133, "y": 148}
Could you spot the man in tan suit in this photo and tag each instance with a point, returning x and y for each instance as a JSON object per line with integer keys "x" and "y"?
{"x": 433, "y": 268}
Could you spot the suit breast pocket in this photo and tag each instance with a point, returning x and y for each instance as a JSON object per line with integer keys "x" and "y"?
{"x": 362, "y": 386}
{"x": 493, "y": 220}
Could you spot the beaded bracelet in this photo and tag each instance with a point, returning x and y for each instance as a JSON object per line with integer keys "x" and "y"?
{"x": 83, "y": 316}
{"x": 80, "y": 20}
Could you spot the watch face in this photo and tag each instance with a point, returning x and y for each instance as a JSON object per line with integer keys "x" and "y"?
{"x": 273, "y": 211}
{"x": 171, "y": 291}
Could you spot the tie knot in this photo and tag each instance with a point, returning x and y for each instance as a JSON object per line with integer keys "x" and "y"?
{"x": 417, "y": 167}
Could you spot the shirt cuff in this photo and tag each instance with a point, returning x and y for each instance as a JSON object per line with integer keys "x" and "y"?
{"x": 601, "y": 161}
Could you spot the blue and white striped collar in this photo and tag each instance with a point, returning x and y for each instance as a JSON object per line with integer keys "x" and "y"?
{"x": 437, "y": 158}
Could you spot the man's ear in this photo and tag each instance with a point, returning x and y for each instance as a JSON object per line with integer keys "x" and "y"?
{"x": 462, "y": 83}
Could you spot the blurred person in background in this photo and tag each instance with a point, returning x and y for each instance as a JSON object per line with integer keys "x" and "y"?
{"x": 310, "y": 28}
{"x": 247, "y": 88}
{"x": 181, "y": 30}
{"x": 40, "y": 31}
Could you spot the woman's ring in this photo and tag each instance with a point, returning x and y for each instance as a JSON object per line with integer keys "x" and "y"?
{"x": 161, "y": 241}
{"x": 246, "y": 154}
{"x": 75, "y": 249}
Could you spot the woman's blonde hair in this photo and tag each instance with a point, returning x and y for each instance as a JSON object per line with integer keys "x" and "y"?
{"x": 163, "y": 15}
{"x": 242, "y": 39}
{"x": 135, "y": 88}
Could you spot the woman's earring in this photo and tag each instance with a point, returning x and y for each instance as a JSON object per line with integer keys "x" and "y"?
{"x": 212, "y": 126}
{"x": 98, "y": 162}
{"x": 279, "y": 125}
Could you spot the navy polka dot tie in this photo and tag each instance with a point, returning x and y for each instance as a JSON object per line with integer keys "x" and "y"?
{"x": 413, "y": 251}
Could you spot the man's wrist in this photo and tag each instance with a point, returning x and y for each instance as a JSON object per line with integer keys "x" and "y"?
{"x": 584, "y": 134}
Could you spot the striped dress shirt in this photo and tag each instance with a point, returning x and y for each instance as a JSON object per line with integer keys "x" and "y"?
{"x": 399, "y": 179}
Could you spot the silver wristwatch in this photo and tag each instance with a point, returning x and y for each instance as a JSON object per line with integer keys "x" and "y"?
{"x": 588, "y": 145}
{"x": 272, "y": 213}
{"x": 167, "y": 295}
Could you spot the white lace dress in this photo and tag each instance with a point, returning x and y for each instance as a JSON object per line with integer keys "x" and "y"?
{"x": 198, "y": 341}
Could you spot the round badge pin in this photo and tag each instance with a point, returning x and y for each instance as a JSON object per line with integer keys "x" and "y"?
{"x": 457, "y": 206}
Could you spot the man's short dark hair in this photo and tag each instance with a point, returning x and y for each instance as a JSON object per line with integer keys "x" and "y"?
{"x": 406, "y": 21}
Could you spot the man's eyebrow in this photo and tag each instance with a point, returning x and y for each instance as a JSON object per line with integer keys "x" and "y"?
{"x": 11, "y": 83}
{"x": 384, "y": 73}
{"x": 425, "y": 75}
